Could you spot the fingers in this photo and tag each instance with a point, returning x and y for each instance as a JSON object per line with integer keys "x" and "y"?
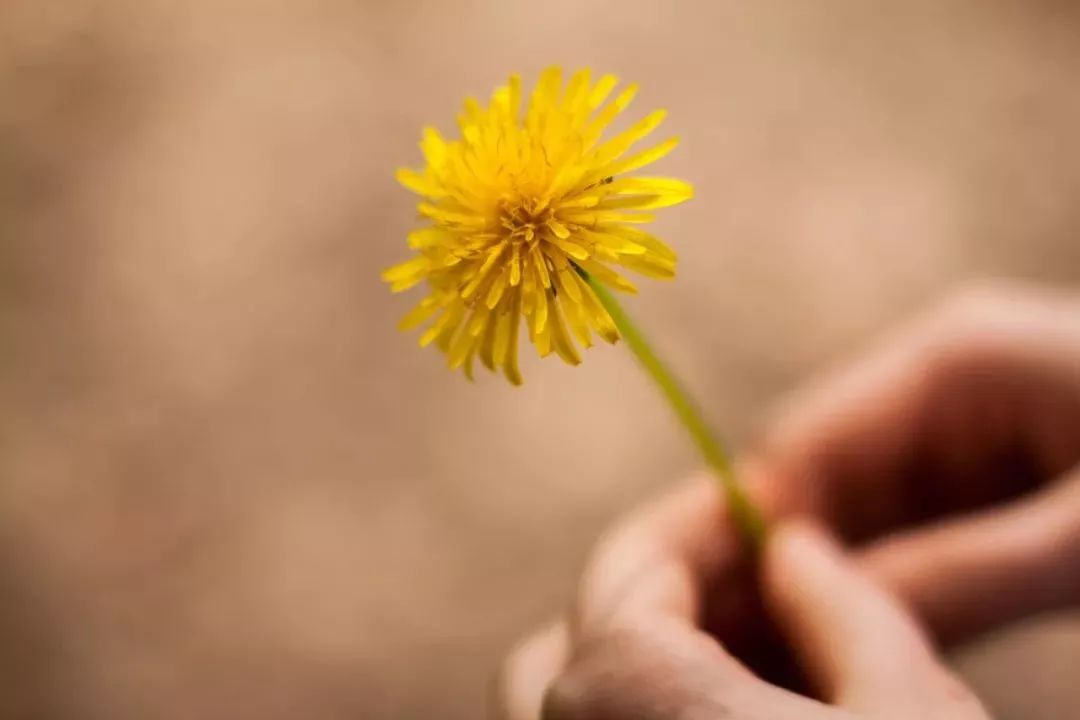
{"x": 646, "y": 671}
{"x": 647, "y": 563}
{"x": 666, "y": 670}
{"x": 850, "y": 635}
{"x": 975, "y": 573}
{"x": 859, "y": 645}
{"x": 968, "y": 410}
{"x": 660, "y": 560}
{"x": 643, "y": 574}
{"x": 528, "y": 672}
{"x": 922, "y": 426}
{"x": 633, "y": 646}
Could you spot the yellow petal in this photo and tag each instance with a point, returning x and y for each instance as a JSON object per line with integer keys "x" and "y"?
{"x": 558, "y": 229}
{"x": 428, "y": 237}
{"x": 575, "y": 315}
{"x": 619, "y": 144}
{"x": 468, "y": 368}
{"x": 591, "y": 218}
{"x": 570, "y": 248}
{"x": 577, "y": 90}
{"x": 482, "y": 272}
{"x": 542, "y": 336}
{"x": 445, "y": 326}
{"x": 419, "y": 314}
{"x": 487, "y": 344}
{"x": 419, "y": 184}
{"x": 649, "y": 265}
{"x": 529, "y": 282}
{"x": 495, "y": 293}
{"x": 640, "y": 237}
{"x": 434, "y": 147}
{"x": 510, "y": 366}
{"x": 646, "y": 193}
{"x": 662, "y": 186}
{"x": 407, "y": 269}
{"x": 560, "y": 338}
{"x": 581, "y": 201}
{"x": 451, "y": 217}
{"x": 641, "y": 202}
{"x": 407, "y": 274}
{"x": 636, "y": 161}
{"x": 515, "y": 267}
{"x": 608, "y": 276}
{"x": 610, "y": 112}
{"x": 514, "y": 87}
{"x": 540, "y": 315}
{"x": 565, "y": 281}
{"x": 543, "y": 98}
{"x": 480, "y": 320}
{"x": 504, "y": 325}
{"x": 617, "y": 245}
{"x": 597, "y": 314}
{"x": 540, "y": 263}
{"x": 462, "y": 346}
{"x": 601, "y": 90}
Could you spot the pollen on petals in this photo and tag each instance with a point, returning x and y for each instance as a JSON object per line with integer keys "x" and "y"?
{"x": 525, "y": 201}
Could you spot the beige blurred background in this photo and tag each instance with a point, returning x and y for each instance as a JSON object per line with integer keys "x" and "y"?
{"x": 229, "y": 489}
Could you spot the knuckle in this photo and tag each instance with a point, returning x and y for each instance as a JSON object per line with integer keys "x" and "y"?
{"x": 503, "y": 683}
{"x": 1055, "y": 534}
{"x": 974, "y": 331}
{"x": 978, "y": 297}
{"x": 956, "y": 701}
{"x": 644, "y": 674}
{"x": 609, "y": 677}
{"x": 586, "y": 690}
{"x": 1068, "y": 540}
{"x": 977, "y": 301}
{"x": 572, "y": 696}
{"x": 990, "y": 311}
{"x": 526, "y": 671}
{"x": 976, "y": 309}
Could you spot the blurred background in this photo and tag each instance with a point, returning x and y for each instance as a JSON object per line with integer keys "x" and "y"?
{"x": 228, "y": 487}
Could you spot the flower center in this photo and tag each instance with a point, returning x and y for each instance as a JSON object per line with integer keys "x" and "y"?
{"x": 523, "y": 219}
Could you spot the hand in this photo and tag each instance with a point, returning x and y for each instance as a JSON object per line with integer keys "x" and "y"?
{"x": 643, "y": 656}
{"x": 972, "y": 407}
{"x": 951, "y": 455}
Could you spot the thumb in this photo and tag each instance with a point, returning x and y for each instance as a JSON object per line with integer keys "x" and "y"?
{"x": 860, "y": 647}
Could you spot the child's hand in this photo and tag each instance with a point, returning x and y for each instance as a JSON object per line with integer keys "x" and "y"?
{"x": 947, "y": 455}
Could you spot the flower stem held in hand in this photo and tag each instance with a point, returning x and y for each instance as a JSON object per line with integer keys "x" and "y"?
{"x": 742, "y": 508}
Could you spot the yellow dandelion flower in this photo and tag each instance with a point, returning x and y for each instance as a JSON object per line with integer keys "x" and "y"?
{"x": 523, "y": 212}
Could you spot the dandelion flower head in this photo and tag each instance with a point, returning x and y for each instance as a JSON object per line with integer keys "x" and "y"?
{"x": 520, "y": 208}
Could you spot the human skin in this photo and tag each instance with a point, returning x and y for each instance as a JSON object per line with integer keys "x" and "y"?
{"x": 945, "y": 460}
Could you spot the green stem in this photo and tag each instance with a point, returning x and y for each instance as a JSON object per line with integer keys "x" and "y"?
{"x": 743, "y": 509}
